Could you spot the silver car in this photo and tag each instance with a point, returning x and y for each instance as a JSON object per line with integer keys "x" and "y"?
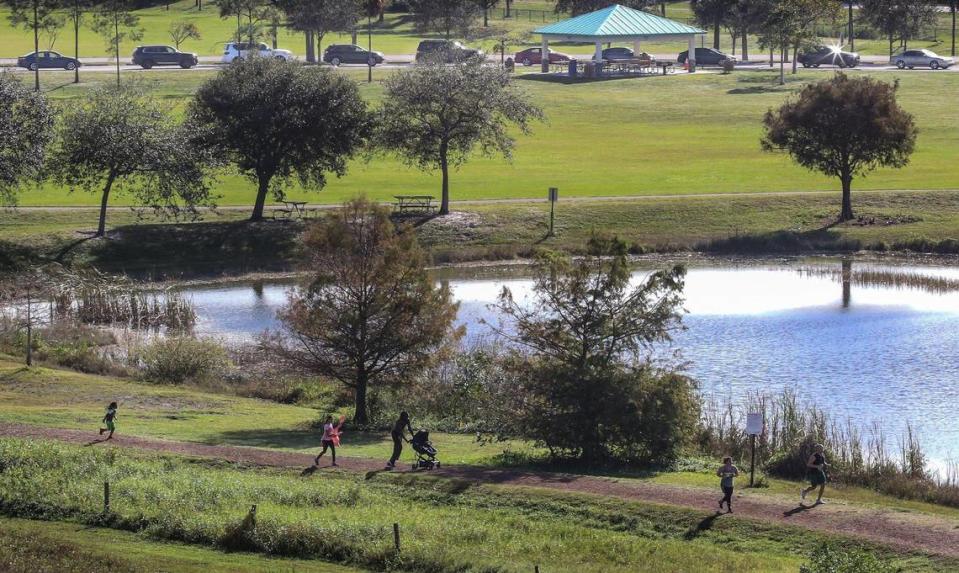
{"x": 920, "y": 58}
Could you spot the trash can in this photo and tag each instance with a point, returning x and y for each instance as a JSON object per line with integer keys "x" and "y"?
{"x": 572, "y": 68}
{"x": 590, "y": 69}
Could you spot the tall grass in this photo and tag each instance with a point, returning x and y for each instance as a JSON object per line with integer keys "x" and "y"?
{"x": 793, "y": 427}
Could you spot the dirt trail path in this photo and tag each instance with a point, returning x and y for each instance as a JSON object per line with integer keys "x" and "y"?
{"x": 903, "y": 531}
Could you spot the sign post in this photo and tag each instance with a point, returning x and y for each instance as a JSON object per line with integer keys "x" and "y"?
{"x": 553, "y": 197}
{"x": 754, "y": 427}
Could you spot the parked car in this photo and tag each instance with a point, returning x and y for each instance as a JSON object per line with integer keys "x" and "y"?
{"x": 827, "y": 55}
{"x": 705, "y": 57}
{"x": 446, "y": 51}
{"x": 532, "y": 56}
{"x": 912, "y": 58}
{"x": 234, "y": 51}
{"x": 148, "y": 56}
{"x": 337, "y": 54}
{"x": 47, "y": 59}
{"x": 618, "y": 54}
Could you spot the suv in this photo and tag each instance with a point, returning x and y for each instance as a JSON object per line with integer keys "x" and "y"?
{"x": 351, "y": 54}
{"x": 705, "y": 57}
{"x": 234, "y": 51}
{"x": 148, "y": 56}
{"x": 444, "y": 51}
{"x": 825, "y": 55}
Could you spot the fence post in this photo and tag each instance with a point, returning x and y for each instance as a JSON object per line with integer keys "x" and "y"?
{"x": 106, "y": 497}
{"x": 396, "y": 536}
{"x": 536, "y": 568}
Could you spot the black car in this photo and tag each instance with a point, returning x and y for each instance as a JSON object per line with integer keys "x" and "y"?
{"x": 705, "y": 57}
{"x": 47, "y": 59}
{"x": 444, "y": 51}
{"x": 351, "y": 54}
{"x": 824, "y": 55}
{"x": 148, "y": 56}
{"x": 616, "y": 54}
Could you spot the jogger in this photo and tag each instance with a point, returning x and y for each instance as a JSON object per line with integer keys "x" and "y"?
{"x": 728, "y": 472}
{"x": 816, "y": 471}
{"x": 330, "y": 440}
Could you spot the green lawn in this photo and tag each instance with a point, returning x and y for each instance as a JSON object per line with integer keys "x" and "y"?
{"x": 53, "y": 547}
{"x": 66, "y": 399}
{"x": 346, "y": 517}
{"x": 677, "y": 135}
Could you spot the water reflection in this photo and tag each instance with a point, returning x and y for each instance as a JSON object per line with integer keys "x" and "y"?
{"x": 879, "y": 346}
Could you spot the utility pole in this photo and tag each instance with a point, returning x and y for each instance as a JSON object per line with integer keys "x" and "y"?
{"x": 852, "y": 37}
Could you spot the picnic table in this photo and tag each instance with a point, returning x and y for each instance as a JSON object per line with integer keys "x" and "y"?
{"x": 291, "y": 209}
{"x": 414, "y": 204}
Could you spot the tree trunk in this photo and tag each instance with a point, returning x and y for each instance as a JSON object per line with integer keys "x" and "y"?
{"x": 715, "y": 37}
{"x": 104, "y": 200}
{"x": 745, "y": 51}
{"x": 846, "y": 214}
{"x": 852, "y": 32}
{"x": 846, "y": 282}
{"x": 445, "y": 167}
{"x": 310, "y": 51}
{"x": 36, "y": 47}
{"x": 508, "y": 7}
{"x": 953, "y": 10}
{"x": 29, "y": 328}
{"x": 76, "y": 40}
{"x": 662, "y": 9}
{"x": 361, "y": 414}
{"x": 486, "y": 17}
{"x": 795, "y": 55}
{"x": 734, "y": 37}
{"x": 263, "y": 189}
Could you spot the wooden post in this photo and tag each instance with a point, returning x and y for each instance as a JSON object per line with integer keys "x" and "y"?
{"x": 553, "y": 197}
{"x": 396, "y": 536}
{"x": 106, "y": 497}
{"x": 752, "y": 463}
{"x": 536, "y": 568}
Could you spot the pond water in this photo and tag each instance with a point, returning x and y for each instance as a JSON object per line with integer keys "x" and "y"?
{"x": 871, "y": 342}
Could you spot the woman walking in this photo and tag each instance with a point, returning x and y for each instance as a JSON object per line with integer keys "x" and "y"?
{"x": 398, "y": 434}
{"x": 331, "y": 439}
{"x": 727, "y": 472}
{"x": 816, "y": 470}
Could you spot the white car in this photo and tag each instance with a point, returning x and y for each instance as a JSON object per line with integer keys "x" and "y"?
{"x": 234, "y": 51}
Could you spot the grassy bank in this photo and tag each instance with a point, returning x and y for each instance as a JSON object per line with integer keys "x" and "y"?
{"x": 677, "y": 135}
{"x": 347, "y": 518}
{"x": 755, "y": 224}
{"x": 52, "y": 547}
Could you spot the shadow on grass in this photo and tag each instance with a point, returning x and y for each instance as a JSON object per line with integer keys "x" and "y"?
{"x": 293, "y": 439}
{"x": 798, "y": 509}
{"x": 705, "y": 525}
{"x": 566, "y": 80}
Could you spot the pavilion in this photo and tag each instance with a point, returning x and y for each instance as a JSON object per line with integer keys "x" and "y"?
{"x": 619, "y": 24}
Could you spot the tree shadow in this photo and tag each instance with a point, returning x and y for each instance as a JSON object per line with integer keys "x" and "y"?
{"x": 823, "y": 239}
{"x": 293, "y": 439}
{"x": 705, "y": 525}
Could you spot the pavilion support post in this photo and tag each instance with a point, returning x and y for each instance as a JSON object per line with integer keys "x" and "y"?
{"x": 544, "y": 56}
{"x": 637, "y": 48}
{"x": 691, "y": 57}
{"x": 598, "y": 56}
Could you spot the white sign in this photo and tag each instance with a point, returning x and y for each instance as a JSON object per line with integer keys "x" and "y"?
{"x": 754, "y": 424}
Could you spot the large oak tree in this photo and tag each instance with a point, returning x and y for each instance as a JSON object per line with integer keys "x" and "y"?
{"x": 843, "y": 127}
{"x": 278, "y": 120}
{"x": 26, "y": 130}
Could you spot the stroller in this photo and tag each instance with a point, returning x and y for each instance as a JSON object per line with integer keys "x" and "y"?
{"x": 425, "y": 452}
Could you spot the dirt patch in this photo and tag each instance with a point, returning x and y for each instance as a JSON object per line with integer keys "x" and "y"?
{"x": 903, "y": 531}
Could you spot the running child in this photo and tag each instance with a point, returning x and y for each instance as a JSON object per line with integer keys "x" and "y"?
{"x": 331, "y": 438}
{"x": 727, "y": 472}
{"x": 816, "y": 470}
{"x": 109, "y": 420}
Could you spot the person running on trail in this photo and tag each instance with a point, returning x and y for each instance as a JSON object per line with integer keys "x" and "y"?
{"x": 399, "y": 436}
{"x": 331, "y": 438}
{"x": 816, "y": 469}
{"x": 728, "y": 472}
{"x": 109, "y": 420}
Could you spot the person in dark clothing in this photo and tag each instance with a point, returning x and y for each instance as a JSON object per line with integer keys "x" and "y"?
{"x": 727, "y": 473}
{"x": 400, "y": 427}
{"x": 816, "y": 470}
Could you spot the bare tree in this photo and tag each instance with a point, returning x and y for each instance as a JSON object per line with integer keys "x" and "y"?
{"x": 183, "y": 30}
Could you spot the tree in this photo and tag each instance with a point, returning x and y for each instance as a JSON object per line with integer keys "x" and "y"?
{"x": 316, "y": 18}
{"x": 116, "y": 24}
{"x": 712, "y": 13}
{"x": 183, "y": 30}
{"x": 435, "y": 116}
{"x": 577, "y": 7}
{"x": 275, "y": 119}
{"x": 953, "y": 7}
{"x": 26, "y": 130}
{"x": 445, "y": 16}
{"x": 122, "y": 140}
{"x": 33, "y": 15}
{"x": 806, "y": 14}
{"x": 77, "y": 9}
{"x": 589, "y": 388}
{"x": 486, "y": 6}
{"x": 745, "y": 18}
{"x": 370, "y": 314}
{"x": 899, "y": 20}
{"x": 843, "y": 127}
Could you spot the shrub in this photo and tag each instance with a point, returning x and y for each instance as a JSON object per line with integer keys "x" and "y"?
{"x": 828, "y": 559}
{"x": 179, "y": 359}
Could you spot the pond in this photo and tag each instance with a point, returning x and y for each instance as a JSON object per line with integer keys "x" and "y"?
{"x": 872, "y": 342}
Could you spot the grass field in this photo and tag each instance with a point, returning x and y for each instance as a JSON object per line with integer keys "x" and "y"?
{"x": 396, "y": 35}
{"x": 54, "y": 547}
{"x": 345, "y": 517}
{"x": 677, "y": 135}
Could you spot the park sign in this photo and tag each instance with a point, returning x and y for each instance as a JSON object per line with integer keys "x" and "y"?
{"x": 754, "y": 424}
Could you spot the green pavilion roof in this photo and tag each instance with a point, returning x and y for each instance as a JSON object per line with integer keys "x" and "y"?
{"x": 618, "y": 21}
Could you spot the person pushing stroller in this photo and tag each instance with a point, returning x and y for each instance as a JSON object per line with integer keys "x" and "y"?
{"x": 398, "y": 433}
